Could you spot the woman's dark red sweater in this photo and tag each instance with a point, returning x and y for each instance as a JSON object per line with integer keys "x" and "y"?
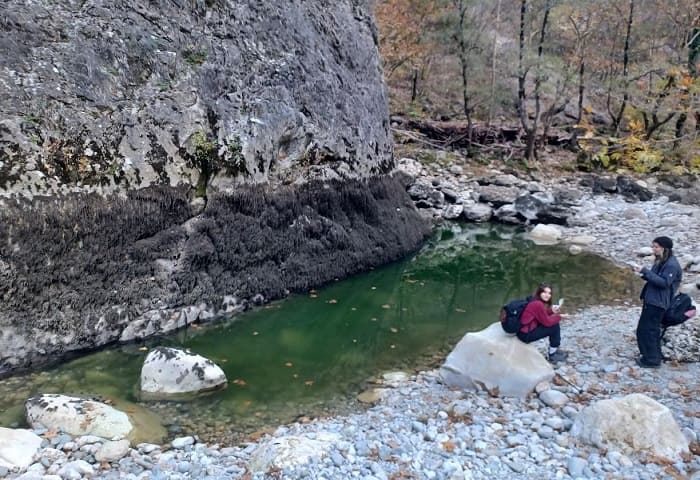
{"x": 536, "y": 313}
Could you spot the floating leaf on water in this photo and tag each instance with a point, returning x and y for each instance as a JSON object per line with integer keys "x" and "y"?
{"x": 313, "y": 295}
{"x": 295, "y": 375}
{"x": 309, "y": 383}
{"x": 256, "y": 333}
{"x": 288, "y": 364}
{"x": 373, "y": 319}
{"x": 386, "y": 305}
{"x": 392, "y": 346}
{"x": 143, "y": 349}
{"x": 374, "y": 288}
{"x": 460, "y": 310}
{"x": 332, "y": 300}
{"x": 394, "y": 330}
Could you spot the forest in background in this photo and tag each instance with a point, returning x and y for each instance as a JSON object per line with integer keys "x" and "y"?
{"x": 616, "y": 82}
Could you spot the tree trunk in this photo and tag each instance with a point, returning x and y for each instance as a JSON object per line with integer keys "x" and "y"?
{"x": 538, "y": 78}
{"x": 464, "y": 60}
{"x": 625, "y": 71}
{"x": 581, "y": 88}
{"x": 522, "y": 76}
{"x": 693, "y": 54}
{"x": 494, "y": 54}
{"x": 414, "y": 85}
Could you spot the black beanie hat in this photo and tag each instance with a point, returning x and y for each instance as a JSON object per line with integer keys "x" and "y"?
{"x": 665, "y": 242}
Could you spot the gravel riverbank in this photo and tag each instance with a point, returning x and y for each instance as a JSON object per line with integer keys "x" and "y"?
{"x": 423, "y": 430}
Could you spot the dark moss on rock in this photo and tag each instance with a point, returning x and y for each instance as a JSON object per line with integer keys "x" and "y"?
{"x": 79, "y": 269}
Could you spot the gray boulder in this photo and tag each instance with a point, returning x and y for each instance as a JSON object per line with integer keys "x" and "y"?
{"x": 497, "y": 195}
{"x": 77, "y": 416}
{"x": 497, "y": 362}
{"x": 633, "y": 423}
{"x": 289, "y": 451}
{"x": 478, "y": 212}
{"x": 17, "y": 447}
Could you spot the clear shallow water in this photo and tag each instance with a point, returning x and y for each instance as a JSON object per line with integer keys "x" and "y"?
{"x": 311, "y": 354}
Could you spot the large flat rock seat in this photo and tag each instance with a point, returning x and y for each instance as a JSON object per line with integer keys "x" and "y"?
{"x": 496, "y": 361}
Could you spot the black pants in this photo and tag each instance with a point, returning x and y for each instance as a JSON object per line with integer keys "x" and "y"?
{"x": 649, "y": 334}
{"x": 554, "y": 334}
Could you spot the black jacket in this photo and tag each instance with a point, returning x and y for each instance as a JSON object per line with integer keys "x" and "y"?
{"x": 662, "y": 282}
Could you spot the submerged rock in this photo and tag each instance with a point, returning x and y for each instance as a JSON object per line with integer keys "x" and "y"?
{"x": 169, "y": 372}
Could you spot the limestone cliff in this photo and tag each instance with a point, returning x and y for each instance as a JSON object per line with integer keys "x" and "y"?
{"x": 103, "y": 93}
{"x": 168, "y": 161}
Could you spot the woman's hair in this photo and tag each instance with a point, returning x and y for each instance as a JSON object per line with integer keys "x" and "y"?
{"x": 667, "y": 252}
{"x": 540, "y": 289}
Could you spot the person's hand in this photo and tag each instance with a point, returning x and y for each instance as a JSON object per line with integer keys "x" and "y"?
{"x": 564, "y": 315}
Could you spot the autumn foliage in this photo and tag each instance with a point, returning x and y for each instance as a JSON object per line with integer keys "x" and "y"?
{"x": 620, "y": 78}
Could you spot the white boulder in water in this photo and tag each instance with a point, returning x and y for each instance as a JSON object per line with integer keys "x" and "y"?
{"x": 545, "y": 234}
{"x": 169, "y": 372}
{"x": 497, "y": 362}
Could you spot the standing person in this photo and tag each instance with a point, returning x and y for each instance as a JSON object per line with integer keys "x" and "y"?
{"x": 663, "y": 279}
{"x": 540, "y": 320}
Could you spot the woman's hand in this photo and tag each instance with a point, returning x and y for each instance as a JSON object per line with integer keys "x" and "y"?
{"x": 564, "y": 315}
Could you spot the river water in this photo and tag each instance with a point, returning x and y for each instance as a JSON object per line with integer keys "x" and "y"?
{"x": 311, "y": 354}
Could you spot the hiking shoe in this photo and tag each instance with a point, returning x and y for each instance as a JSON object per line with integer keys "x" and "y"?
{"x": 558, "y": 356}
{"x": 644, "y": 364}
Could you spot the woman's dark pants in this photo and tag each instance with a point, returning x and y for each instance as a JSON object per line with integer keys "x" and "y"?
{"x": 554, "y": 334}
{"x": 649, "y": 334}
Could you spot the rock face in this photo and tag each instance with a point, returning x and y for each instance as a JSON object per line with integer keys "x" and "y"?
{"x": 98, "y": 94}
{"x": 170, "y": 371}
{"x": 77, "y": 416}
{"x": 634, "y": 423}
{"x": 495, "y": 361}
{"x": 167, "y": 163}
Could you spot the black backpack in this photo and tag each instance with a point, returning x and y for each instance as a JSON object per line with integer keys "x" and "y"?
{"x": 511, "y": 313}
{"x": 676, "y": 313}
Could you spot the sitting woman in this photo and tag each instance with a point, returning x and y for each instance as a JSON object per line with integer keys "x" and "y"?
{"x": 540, "y": 320}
